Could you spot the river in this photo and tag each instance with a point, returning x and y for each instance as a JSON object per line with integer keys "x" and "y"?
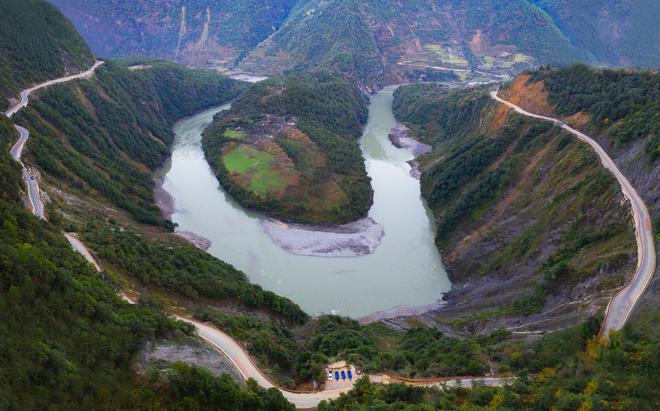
{"x": 405, "y": 270}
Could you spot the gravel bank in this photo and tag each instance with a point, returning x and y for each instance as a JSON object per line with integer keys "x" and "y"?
{"x": 349, "y": 240}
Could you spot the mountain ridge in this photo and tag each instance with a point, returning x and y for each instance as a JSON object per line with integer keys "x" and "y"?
{"x": 378, "y": 42}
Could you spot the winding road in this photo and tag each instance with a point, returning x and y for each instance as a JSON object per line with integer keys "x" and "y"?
{"x": 30, "y": 177}
{"x": 242, "y": 361}
{"x": 25, "y": 94}
{"x": 225, "y": 344}
{"x": 623, "y": 303}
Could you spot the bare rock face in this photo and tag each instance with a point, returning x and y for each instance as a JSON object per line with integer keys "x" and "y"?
{"x": 163, "y": 354}
{"x": 350, "y": 240}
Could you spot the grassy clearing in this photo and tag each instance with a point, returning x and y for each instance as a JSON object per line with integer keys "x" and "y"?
{"x": 234, "y": 134}
{"x": 257, "y": 166}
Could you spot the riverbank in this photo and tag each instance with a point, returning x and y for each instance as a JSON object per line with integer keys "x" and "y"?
{"x": 400, "y": 137}
{"x": 404, "y": 269}
{"x": 349, "y": 240}
{"x": 163, "y": 198}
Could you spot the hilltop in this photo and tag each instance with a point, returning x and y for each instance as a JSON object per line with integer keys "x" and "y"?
{"x": 289, "y": 148}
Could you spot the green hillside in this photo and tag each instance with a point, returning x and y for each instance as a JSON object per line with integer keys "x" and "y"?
{"x": 622, "y": 33}
{"x": 375, "y": 42}
{"x": 496, "y": 175}
{"x": 624, "y": 104}
{"x": 105, "y": 137}
{"x": 37, "y": 43}
{"x": 288, "y": 147}
{"x": 621, "y": 376}
{"x": 367, "y": 39}
{"x": 69, "y": 342}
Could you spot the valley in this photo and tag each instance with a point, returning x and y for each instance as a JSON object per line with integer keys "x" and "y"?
{"x": 405, "y": 262}
{"x": 427, "y": 197}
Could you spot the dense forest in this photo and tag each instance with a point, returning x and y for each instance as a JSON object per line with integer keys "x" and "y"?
{"x": 126, "y": 28}
{"x": 289, "y": 148}
{"x": 625, "y": 103}
{"x": 68, "y": 342}
{"x": 366, "y": 39}
{"x": 106, "y": 136}
{"x": 620, "y": 376}
{"x": 294, "y": 355}
{"x": 617, "y": 32}
{"x": 182, "y": 269}
{"x": 34, "y": 56}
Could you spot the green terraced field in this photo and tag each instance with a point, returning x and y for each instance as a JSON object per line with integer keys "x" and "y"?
{"x": 445, "y": 55}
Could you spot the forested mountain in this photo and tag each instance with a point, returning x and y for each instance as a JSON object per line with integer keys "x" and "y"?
{"x": 517, "y": 201}
{"x": 621, "y": 376}
{"x": 106, "y": 136}
{"x": 510, "y": 195}
{"x": 621, "y": 32}
{"x": 67, "y": 341}
{"x": 27, "y": 56}
{"x": 289, "y": 147}
{"x": 209, "y": 31}
{"x": 375, "y": 41}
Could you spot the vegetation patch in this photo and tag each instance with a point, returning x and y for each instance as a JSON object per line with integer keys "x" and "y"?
{"x": 622, "y": 103}
{"x": 105, "y": 136}
{"x": 256, "y": 168}
{"x": 299, "y": 157}
{"x": 234, "y": 134}
{"x": 445, "y": 55}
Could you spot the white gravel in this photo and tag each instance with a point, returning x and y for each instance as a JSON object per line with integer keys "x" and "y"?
{"x": 350, "y": 240}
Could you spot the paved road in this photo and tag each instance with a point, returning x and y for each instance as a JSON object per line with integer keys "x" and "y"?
{"x": 25, "y": 94}
{"x": 31, "y": 181}
{"x": 411, "y": 63}
{"x": 17, "y": 150}
{"x": 82, "y": 249}
{"x": 244, "y": 364}
{"x": 31, "y": 178}
{"x": 623, "y": 303}
{"x": 34, "y": 193}
{"x": 229, "y": 347}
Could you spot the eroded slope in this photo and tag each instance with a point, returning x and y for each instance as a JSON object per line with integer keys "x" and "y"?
{"x": 534, "y": 231}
